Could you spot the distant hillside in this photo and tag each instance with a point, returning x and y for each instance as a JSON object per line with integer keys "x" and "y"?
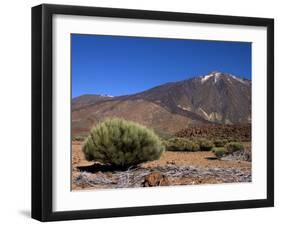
{"x": 218, "y": 98}
{"x": 85, "y": 100}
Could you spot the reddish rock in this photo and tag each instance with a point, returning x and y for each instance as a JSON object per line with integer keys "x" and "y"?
{"x": 155, "y": 179}
{"x": 241, "y": 132}
{"x": 171, "y": 162}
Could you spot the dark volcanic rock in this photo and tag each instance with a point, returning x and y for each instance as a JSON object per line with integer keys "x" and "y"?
{"x": 240, "y": 132}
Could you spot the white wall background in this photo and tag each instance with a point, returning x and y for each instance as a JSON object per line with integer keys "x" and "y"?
{"x": 15, "y": 113}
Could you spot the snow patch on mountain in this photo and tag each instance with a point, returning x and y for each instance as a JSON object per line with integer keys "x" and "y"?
{"x": 206, "y": 77}
{"x": 204, "y": 113}
{"x": 214, "y": 75}
{"x": 106, "y": 95}
{"x": 184, "y": 108}
{"x": 217, "y": 75}
{"x": 238, "y": 79}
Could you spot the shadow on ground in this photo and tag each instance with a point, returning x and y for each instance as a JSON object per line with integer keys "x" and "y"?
{"x": 211, "y": 158}
{"x": 97, "y": 167}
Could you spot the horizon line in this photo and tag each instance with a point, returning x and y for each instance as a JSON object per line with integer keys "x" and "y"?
{"x": 109, "y": 95}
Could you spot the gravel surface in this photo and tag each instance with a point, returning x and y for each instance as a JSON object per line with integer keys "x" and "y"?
{"x": 177, "y": 175}
{"x": 177, "y": 168}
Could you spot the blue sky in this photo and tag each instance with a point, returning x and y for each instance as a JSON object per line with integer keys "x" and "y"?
{"x": 118, "y": 65}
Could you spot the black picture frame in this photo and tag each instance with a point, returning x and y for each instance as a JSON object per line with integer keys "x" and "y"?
{"x": 42, "y": 111}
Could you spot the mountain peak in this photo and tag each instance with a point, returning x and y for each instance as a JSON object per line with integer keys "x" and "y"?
{"x": 217, "y": 75}
{"x": 217, "y": 97}
{"x": 213, "y": 74}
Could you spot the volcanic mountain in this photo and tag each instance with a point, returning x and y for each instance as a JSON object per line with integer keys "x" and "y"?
{"x": 216, "y": 98}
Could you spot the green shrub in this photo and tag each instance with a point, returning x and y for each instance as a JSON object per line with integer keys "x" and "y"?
{"x": 220, "y": 143}
{"x": 219, "y": 151}
{"x": 233, "y": 147}
{"x": 122, "y": 143}
{"x": 181, "y": 144}
{"x": 205, "y": 145}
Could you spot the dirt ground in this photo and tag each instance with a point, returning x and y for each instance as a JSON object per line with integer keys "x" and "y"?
{"x": 198, "y": 160}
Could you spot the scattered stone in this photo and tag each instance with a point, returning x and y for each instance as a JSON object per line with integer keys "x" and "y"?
{"x": 238, "y": 155}
{"x": 108, "y": 174}
{"x": 171, "y": 162}
{"x": 161, "y": 176}
{"x": 155, "y": 179}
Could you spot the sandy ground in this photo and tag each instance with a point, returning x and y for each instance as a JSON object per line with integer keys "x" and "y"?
{"x": 194, "y": 159}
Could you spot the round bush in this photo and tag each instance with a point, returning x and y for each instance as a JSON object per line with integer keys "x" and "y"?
{"x": 219, "y": 151}
{"x": 181, "y": 144}
{"x": 122, "y": 143}
{"x": 220, "y": 143}
{"x": 205, "y": 145}
{"x": 233, "y": 147}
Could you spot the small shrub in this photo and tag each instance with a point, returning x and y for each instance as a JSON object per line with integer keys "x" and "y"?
{"x": 233, "y": 147}
{"x": 122, "y": 143}
{"x": 191, "y": 146}
{"x": 220, "y": 143}
{"x": 219, "y": 151}
{"x": 181, "y": 144}
{"x": 205, "y": 145}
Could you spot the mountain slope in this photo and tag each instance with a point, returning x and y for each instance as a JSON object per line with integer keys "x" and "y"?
{"x": 214, "y": 98}
{"x": 217, "y": 97}
{"x": 86, "y": 100}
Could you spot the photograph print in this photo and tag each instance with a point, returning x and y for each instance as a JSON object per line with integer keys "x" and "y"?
{"x": 149, "y": 112}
